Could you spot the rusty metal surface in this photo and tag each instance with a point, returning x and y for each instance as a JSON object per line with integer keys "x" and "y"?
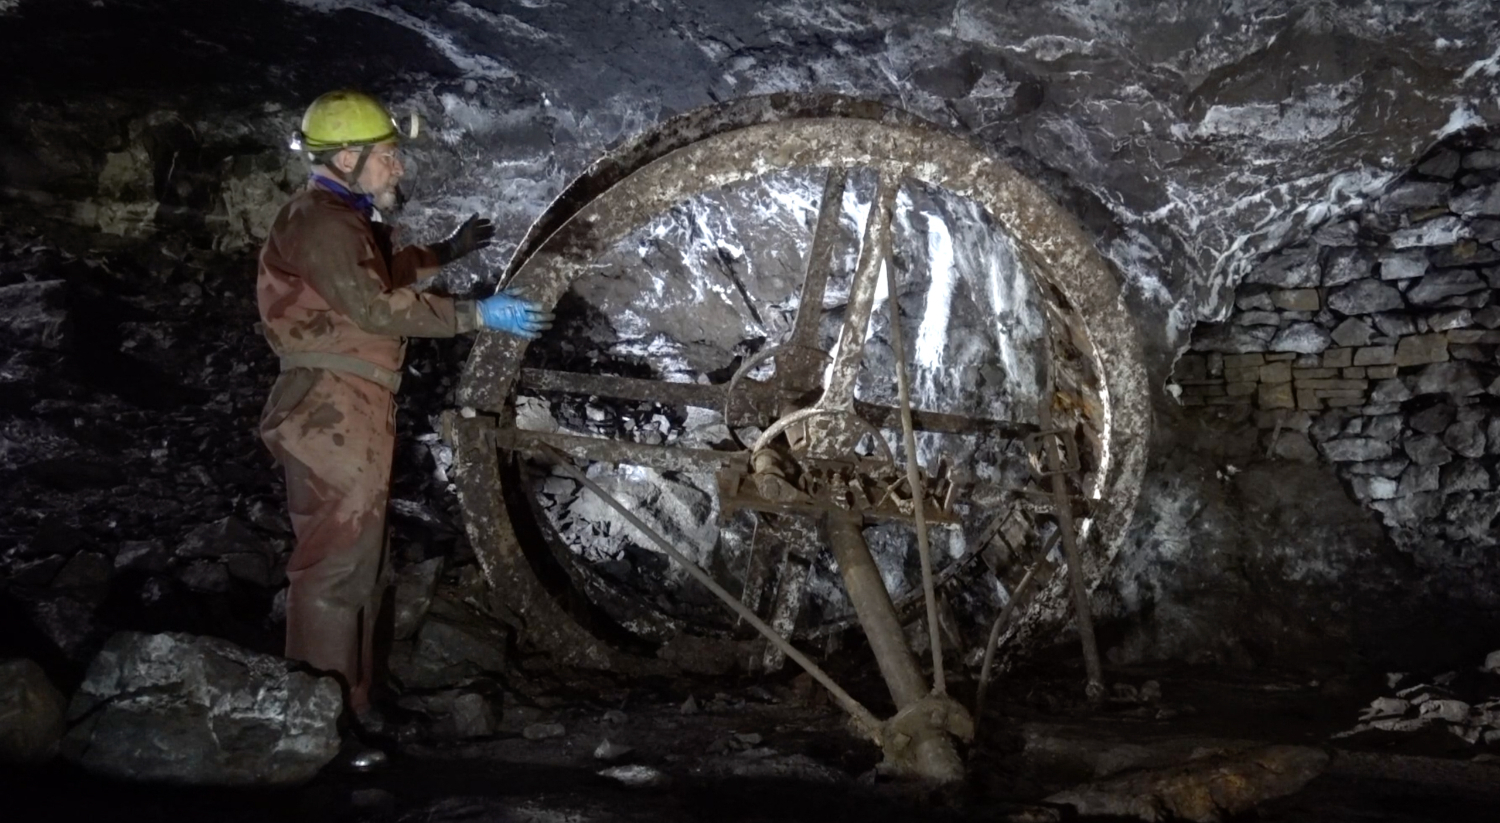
{"x": 733, "y": 143}
{"x": 738, "y": 491}
{"x": 753, "y": 397}
{"x": 877, "y": 615}
{"x": 928, "y": 421}
{"x": 919, "y": 739}
{"x": 736, "y": 481}
{"x": 1039, "y": 570}
{"x": 916, "y": 741}
{"x": 798, "y": 362}
{"x": 883, "y": 501}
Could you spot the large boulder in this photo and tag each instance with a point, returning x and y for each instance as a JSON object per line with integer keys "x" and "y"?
{"x": 445, "y": 654}
{"x": 185, "y": 709}
{"x": 415, "y": 588}
{"x": 219, "y": 539}
{"x": 1205, "y": 790}
{"x": 31, "y": 713}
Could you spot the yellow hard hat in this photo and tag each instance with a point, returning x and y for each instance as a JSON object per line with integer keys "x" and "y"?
{"x": 340, "y": 119}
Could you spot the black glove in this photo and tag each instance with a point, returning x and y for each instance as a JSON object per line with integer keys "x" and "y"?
{"x": 473, "y": 235}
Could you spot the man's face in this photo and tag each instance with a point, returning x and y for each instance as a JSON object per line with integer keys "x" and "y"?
{"x": 382, "y": 171}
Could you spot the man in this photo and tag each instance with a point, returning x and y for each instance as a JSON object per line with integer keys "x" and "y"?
{"x": 336, "y": 304}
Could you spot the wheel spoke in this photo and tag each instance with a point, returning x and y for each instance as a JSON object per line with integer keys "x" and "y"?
{"x": 874, "y": 250}
{"x": 753, "y": 400}
{"x": 888, "y": 417}
{"x": 801, "y": 369}
{"x": 757, "y": 397}
{"x": 603, "y": 450}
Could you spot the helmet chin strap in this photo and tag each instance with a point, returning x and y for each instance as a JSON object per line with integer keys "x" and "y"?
{"x": 351, "y": 180}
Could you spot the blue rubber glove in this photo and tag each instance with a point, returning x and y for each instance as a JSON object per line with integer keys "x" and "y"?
{"x": 513, "y": 314}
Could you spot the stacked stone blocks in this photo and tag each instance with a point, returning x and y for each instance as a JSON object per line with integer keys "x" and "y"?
{"x": 1376, "y": 346}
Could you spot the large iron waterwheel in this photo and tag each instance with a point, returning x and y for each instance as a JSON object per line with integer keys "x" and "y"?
{"x": 743, "y": 451}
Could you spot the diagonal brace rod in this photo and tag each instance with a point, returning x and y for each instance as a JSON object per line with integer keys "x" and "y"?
{"x": 1083, "y": 612}
{"x": 1022, "y": 591}
{"x": 914, "y": 475}
{"x": 867, "y": 721}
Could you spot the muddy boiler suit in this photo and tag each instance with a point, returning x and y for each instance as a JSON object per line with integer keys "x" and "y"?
{"x": 336, "y": 305}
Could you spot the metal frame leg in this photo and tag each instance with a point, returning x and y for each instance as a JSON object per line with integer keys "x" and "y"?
{"x": 922, "y": 747}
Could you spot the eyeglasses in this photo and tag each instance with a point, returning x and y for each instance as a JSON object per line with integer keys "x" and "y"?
{"x": 392, "y": 158}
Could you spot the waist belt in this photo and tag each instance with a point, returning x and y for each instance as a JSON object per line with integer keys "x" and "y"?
{"x": 343, "y": 363}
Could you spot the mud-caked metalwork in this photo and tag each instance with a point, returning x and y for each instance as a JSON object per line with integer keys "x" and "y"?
{"x": 820, "y": 466}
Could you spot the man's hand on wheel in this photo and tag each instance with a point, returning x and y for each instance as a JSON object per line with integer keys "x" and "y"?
{"x": 513, "y": 314}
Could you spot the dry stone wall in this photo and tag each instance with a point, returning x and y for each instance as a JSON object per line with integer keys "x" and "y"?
{"x": 1374, "y": 347}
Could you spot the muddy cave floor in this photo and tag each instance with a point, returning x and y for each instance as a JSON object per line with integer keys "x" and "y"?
{"x": 776, "y": 749}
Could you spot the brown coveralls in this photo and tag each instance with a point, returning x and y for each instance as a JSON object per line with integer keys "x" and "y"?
{"x": 329, "y": 284}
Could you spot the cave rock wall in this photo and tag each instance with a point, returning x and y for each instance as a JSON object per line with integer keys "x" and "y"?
{"x": 1340, "y": 430}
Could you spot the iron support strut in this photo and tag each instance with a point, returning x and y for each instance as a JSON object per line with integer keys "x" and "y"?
{"x": 1082, "y": 611}
{"x": 923, "y": 747}
{"x": 872, "y": 602}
